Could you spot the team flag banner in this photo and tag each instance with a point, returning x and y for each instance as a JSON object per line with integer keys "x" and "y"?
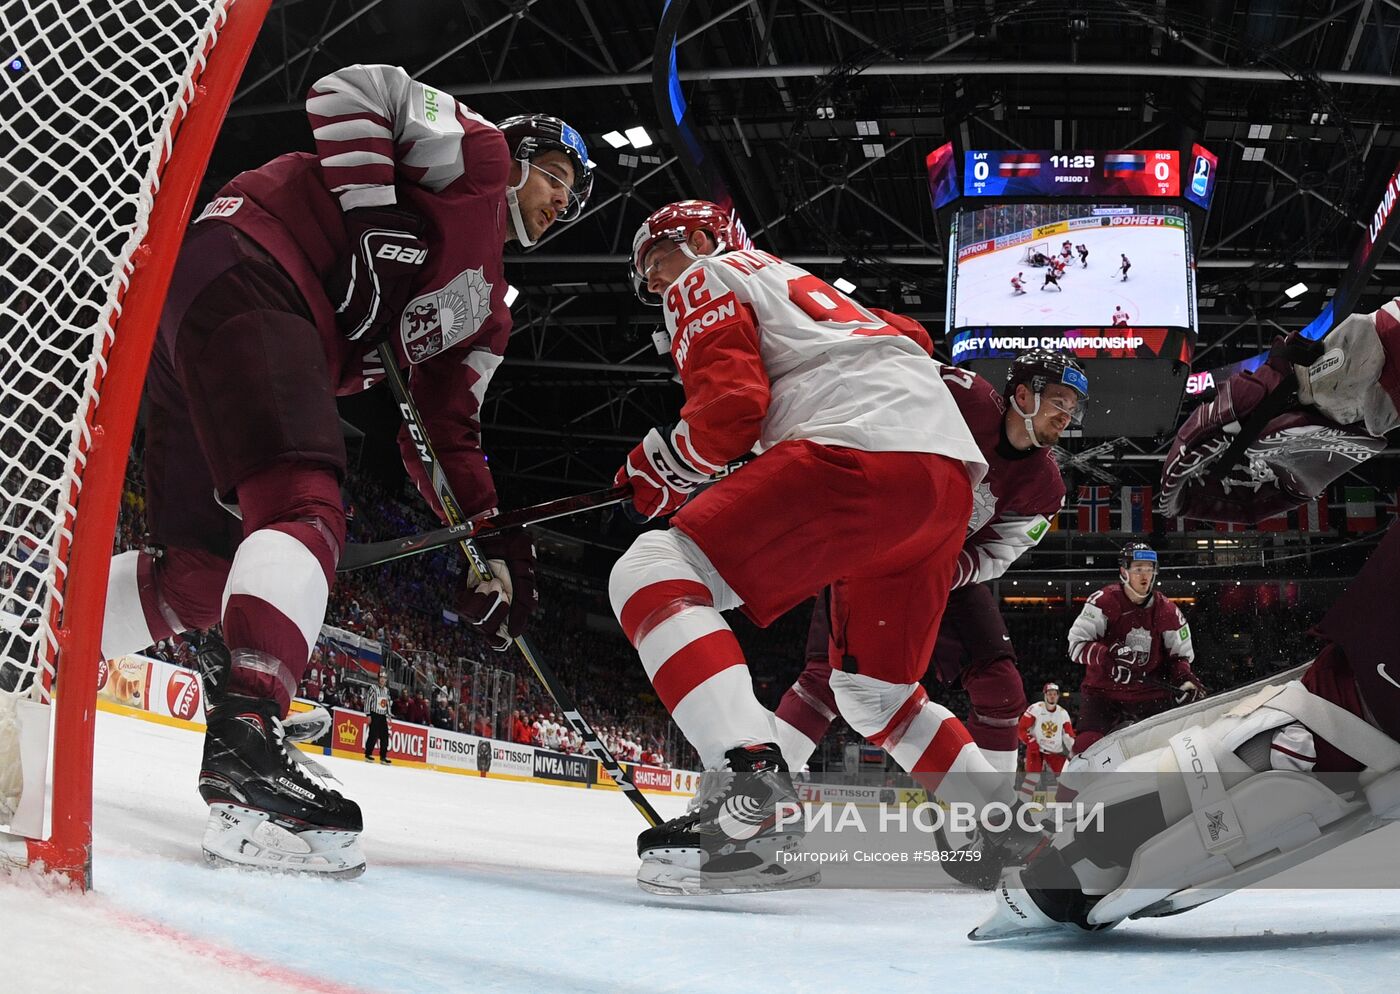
{"x": 1361, "y": 509}
{"x": 1094, "y": 509}
{"x": 1136, "y": 509}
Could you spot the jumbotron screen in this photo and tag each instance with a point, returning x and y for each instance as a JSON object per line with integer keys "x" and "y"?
{"x": 1071, "y": 265}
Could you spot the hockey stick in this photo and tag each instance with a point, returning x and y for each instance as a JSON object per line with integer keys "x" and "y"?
{"x": 479, "y": 567}
{"x": 364, "y": 554}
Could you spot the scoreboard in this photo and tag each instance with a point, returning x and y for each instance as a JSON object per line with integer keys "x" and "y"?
{"x": 1007, "y": 174}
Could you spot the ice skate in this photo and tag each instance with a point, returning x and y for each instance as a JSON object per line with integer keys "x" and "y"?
{"x": 214, "y": 662}
{"x": 992, "y": 851}
{"x": 1021, "y": 911}
{"x": 265, "y": 810}
{"x": 727, "y": 842}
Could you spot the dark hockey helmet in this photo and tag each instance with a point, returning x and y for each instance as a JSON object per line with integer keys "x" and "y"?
{"x": 677, "y": 222}
{"x": 1040, "y": 367}
{"x": 529, "y": 135}
{"x": 1135, "y": 553}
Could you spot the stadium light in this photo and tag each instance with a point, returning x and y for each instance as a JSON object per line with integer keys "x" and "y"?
{"x": 1296, "y": 291}
{"x": 511, "y": 294}
{"x": 638, "y": 137}
{"x": 844, "y": 285}
{"x": 615, "y": 139}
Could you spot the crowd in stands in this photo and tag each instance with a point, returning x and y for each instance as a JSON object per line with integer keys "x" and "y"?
{"x": 443, "y": 676}
{"x": 436, "y": 663}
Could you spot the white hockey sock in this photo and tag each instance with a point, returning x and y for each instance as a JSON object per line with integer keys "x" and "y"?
{"x": 132, "y": 595}
{"x": 668, "y": 596}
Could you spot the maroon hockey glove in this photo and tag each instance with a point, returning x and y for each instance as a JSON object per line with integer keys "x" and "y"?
{"x": 660, "y": 477}
{"x": 1294, "y": 456}
{"x": 1116, "y": 663}
{"x": 1190, "y": 691}
{"x": 373, "y": 283}
{"x": 500, "y": 608}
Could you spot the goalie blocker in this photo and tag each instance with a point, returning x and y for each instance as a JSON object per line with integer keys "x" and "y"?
{"x": 1246, "y": 805}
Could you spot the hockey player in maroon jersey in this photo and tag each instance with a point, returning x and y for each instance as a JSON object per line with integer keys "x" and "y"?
{"x": 1135, "y": 648}
{"x": 1083, "y": 251}
{"x": 288, "y": 281}
{"x": 1048, "y": 736}
{"x": 1052, "y": 278}
{"x": 1014, "y": 429}
{"x": 1018, "y": 284}
{"x": 856, "y": 435}
{"x": 1123, "y": 266}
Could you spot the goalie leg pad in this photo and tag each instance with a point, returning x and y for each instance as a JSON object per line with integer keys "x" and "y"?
{"x": 1285, "y": 819}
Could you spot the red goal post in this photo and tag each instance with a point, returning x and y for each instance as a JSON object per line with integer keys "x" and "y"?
{"x": 115, "y": 105}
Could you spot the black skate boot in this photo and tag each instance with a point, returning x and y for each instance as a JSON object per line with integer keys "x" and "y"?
{"x": 215, "y": 664}
{"x": 990, "y": 851}
{"x": 212, "y": 659}
{"x": 264, "y": 809}
{"x": 729, "y": 842}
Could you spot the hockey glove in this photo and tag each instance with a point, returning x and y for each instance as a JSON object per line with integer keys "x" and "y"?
{"x": 1190, "y": 692}
{"x": 660, "y": 478}
{"x": 500, "y": 608}
{"x": 374, "y": 282}
{"x": 1115, "y": 663}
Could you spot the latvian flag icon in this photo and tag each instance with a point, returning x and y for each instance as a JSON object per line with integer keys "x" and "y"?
{"x": 1018, "y": 164}
{"x": 1117, "y": 163}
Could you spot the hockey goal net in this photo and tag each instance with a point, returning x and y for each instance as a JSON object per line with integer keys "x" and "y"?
{"x": 1037, "y": 254}
{"x": 110, "y": 110}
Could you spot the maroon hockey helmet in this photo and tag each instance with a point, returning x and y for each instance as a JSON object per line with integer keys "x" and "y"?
{"x": 677, "y": 222}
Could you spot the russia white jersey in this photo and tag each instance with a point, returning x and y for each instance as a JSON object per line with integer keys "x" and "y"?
{"x": 837, "y": 373}
{"x": 1050, "y": 730}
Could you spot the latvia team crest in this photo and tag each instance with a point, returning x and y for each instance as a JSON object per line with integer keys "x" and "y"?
{"x": 984, "y": 505}
{"x": 438, "y": 320}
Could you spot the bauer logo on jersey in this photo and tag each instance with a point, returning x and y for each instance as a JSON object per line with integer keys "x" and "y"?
{"x": 220, "y": 207}
{"x": 440, "y": 319}
{"x": 718, "y": 311}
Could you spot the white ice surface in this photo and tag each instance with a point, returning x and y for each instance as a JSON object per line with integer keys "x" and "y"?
{"x": 1154, "y": 295}
{"x": 482, "y": 885}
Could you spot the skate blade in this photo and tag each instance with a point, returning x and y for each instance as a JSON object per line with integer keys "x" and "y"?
{"x": 677, "y": 872}
{"x": 249, "y": 839}
{"x": 693, "y": 884}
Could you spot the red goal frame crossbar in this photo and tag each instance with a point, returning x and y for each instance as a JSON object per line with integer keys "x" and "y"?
{"x": 68, "y": 850}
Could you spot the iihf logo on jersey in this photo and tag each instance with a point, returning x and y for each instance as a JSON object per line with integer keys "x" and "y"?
{"x": 438, "y": 320}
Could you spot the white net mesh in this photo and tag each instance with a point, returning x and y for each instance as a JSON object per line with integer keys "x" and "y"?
{"x": 91, "y": 91}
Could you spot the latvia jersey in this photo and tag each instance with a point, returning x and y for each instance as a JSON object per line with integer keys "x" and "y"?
{"x": 1156, "y": 630}
{"x": 769, "y": 353}
{"x": 1047, "y": 729}
{"x": 1014, "y": 503}
{"x": 383, "y": 139}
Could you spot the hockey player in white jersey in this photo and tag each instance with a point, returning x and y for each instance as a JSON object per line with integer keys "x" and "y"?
{"x": 1046, "y": 730}
{"x": 857, "y": 437}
